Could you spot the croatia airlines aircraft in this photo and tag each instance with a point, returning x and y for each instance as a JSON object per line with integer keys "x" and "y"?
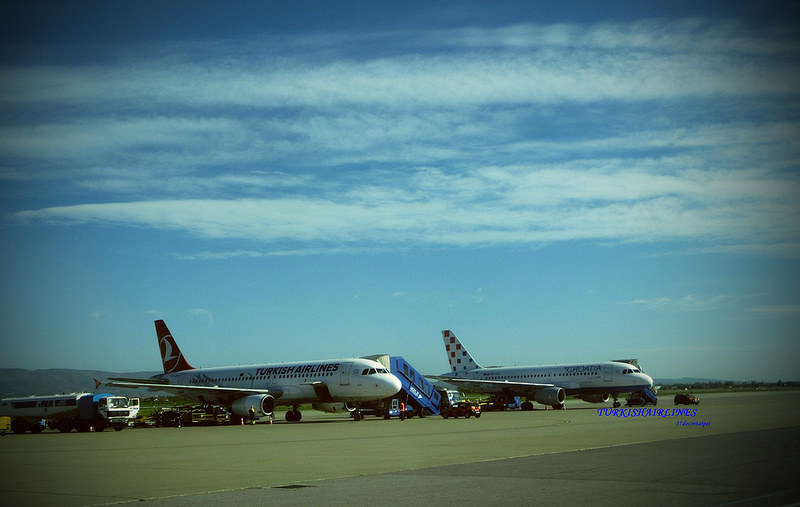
{"x": 260, "y": 387}
{"x": 548, "y": 385}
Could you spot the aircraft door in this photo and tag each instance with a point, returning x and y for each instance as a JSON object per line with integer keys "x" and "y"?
{"x": 344, "y": 378}
{"x": 608, "y": 369}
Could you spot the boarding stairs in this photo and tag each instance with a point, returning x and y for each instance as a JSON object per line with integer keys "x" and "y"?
{"x": 649, "y": 395}
{"x": 416, "y": 391}
{"x": 419, "y": 392}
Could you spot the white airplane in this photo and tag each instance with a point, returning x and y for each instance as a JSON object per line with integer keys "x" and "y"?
{"x": 327, "y": 384}
{"x": 548, "y": 385}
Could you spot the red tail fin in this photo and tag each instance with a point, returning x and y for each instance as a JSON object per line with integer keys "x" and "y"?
{"x": 171, "y": 355}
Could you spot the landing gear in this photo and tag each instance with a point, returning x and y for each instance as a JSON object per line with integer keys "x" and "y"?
{"x": 357, "y": 415}
{"x": 616, "y": 404}
{"x": 293, "y": 415}
{"x": 527, "y": 405}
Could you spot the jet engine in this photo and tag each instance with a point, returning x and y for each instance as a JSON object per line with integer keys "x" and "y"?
{"x": 264, "y": 404}
{"x": 594, "y": 398}
{"x": 333, "y": 408}
{"x": 550, "y": 396}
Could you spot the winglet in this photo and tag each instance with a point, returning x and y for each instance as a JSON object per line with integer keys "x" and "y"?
{"x": 171, "y": 355}
{"x": 460, "y": 359}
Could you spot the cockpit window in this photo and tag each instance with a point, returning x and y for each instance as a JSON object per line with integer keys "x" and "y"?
{"x": 373, "y": 371}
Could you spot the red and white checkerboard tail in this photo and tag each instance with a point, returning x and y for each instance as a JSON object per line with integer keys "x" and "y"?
{"x": 460, "y": 359}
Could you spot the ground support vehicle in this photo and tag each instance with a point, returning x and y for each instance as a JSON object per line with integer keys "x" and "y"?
{"x": 500, "y": 403}
{"x": 686, "y": 399}
{"x": 462, "y": 408}
{"x": 200, "y": 415}
{"x": 421, "y": 397}
{"x": 401, "y": 410}
{"x": 65, "y": 412}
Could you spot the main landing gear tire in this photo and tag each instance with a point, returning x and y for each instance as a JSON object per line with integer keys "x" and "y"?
{"x": 293, "y": 416}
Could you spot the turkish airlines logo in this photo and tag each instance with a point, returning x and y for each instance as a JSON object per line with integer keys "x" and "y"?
{"x": 170, "y": 360}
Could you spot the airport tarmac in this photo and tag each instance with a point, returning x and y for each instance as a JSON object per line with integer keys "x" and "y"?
{"x": 736, "y": 449}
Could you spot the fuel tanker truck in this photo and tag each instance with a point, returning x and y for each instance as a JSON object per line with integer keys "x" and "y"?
{"x": 65, "y": 412}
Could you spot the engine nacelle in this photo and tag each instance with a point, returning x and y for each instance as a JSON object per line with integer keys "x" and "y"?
{"x": 594, "y": 398}
{"x": 550, "y": 396}
{"x": 333, "y": 408}
{"x": 264, "y": 404}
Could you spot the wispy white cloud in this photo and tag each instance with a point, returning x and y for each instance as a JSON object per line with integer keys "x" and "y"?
{"x": 202, "y": 312}
{"x": 427, "y": 145}
{"x": 688, "y": 303}
{"x": 524, "y": 63}
{"x": 496, "y": 205}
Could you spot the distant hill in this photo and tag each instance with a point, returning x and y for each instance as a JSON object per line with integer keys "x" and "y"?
{"x": 19, "y": 382}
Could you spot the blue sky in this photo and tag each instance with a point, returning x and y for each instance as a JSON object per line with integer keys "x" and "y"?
{"x": 294, "y": 180}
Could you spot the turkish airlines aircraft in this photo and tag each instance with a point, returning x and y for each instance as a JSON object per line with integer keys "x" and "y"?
{"x": 548, "y": 385}
{"x": 327, "y": 384}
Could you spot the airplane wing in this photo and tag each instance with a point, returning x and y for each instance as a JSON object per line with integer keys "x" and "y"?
{"x": 222, "y": 395}
{"x": 494, "y": 386}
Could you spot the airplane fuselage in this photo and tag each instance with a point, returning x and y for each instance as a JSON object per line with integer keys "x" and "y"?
{"x": 293, "y": 383}
{"x": 575, "y": 379}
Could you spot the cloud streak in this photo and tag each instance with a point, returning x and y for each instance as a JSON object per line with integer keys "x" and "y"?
{"x": 461, "y": 138}
{"x": 688, "y": 303}
{"x": 523, "y": 63}
{"x": 495, "y": 206}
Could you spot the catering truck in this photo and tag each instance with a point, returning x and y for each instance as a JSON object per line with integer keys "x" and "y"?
{"x": 65, "y": 412}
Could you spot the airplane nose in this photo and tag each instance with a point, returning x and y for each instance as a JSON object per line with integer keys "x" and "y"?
{"x": 393, "y": 384}
{"x": 648, "y": 378}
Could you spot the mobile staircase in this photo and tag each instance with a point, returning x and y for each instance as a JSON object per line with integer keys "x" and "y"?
{"x": 649, "y": 395}
{"x": 419, "y": 392}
